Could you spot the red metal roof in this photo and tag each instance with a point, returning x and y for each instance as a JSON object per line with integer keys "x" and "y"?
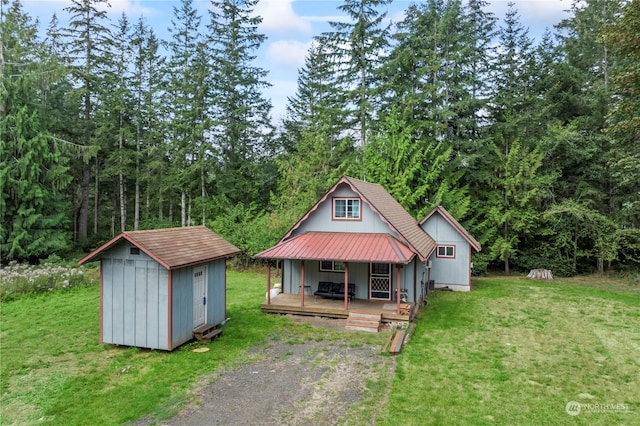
{"x": 346, "y": 247}
{"x": 173, "y": 247}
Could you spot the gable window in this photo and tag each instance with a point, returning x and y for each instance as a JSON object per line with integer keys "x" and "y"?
{"x": 446, "y": 251}
{"x": 331, "y": 266}
{"x": 346, "y": 208}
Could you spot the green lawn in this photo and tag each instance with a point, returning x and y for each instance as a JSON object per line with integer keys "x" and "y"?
{"x": 516, "y": 351}
{"x": 512, "y": 351}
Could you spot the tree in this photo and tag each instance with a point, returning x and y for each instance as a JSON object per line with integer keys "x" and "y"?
{"x": 359, "y": 47}
{"x": 87, "y": 42}
{"x": 33, "y": 172}
{"x": 241, "y": 132}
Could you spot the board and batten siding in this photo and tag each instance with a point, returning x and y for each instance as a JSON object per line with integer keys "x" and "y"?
{"x": 217, "y": 291}
{"x": 135, "y": 297}
{"x": 449, "y": 272}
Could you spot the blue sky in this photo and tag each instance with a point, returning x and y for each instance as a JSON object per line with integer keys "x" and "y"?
{"x": 289, "y": 25}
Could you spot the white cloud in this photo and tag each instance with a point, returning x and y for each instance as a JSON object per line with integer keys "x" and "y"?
{"x": 288, "y": 52}
{"x": 278, "y": 16}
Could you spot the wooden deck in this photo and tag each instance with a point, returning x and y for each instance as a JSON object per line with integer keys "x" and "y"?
{"x": 286, "y": 303}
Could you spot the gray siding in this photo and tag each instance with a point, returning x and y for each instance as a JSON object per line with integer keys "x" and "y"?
{"x": 321, "y": 219}
{"x": 182, "y": 309}
{"x": 134, "y": 299}
{"x": 216, "y": 288}
{"x": 446, "y": 271}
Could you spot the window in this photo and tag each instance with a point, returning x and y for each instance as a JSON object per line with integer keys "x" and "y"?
{"x": 446, "y": 251}
{"x": 134, "y": 250}
{"x": 346, "y": 208}
{"x": 331, "y": 266}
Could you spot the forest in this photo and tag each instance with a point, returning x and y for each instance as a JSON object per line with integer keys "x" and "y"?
{"x": 532, "y": 146}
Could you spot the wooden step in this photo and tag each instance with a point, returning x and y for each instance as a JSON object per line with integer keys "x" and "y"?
{"x": 363, "y": 322}
{"x": 206, "y": 332}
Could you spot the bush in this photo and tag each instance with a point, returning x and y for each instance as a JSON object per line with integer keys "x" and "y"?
{"x": 20, "y": 279}
{"x": 542, "y": 259}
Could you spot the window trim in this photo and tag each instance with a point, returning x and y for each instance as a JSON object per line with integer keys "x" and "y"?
{"x": 340, "y": 269}
{"x": 445, "y": 255}
{"x": 346, "y": 218}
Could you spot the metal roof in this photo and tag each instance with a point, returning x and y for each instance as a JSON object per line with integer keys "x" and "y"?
{"x": 173, "y": 247}
{"x": 345, "y": 247}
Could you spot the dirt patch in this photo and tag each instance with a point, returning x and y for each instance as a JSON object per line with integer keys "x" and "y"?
{"x": 312, "y": 383}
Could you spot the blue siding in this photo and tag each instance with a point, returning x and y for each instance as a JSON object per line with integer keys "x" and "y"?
{"x": 216, "y": 288}
{"x": 182, "y": 306}
{"x": 321, "y": 219}
{"x": 134, "y": 299}
{"x": 445, "y": 271}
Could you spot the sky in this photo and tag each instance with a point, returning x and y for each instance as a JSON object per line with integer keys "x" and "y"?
{"x": 289, "y": 26}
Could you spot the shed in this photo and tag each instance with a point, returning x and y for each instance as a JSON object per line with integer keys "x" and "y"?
{"x": 158, "y": 286}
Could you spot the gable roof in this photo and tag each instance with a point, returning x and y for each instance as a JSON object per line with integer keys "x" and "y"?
{"x": 388, "y": 209}
{"x": 173, "y": 247}
{"x": 451, "y": 220}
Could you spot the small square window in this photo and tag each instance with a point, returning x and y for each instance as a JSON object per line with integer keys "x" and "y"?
{"x": 346, "y": 208}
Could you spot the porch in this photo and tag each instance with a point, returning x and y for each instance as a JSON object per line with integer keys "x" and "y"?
{"x": 287, "y": 303}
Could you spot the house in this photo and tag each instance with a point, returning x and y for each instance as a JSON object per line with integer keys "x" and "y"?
{"x": 357, "y": 243}
{"x": 451, "y": 261}
{"x": 159, "y": 288}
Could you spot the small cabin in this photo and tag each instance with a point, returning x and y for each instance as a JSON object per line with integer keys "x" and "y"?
{"x": 159, "y": 288}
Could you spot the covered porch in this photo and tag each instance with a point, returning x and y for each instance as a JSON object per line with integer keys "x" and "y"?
{"x": 286, "y": 303}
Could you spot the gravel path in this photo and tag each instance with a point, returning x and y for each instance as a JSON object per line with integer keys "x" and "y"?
{"x": 313, "y": 383}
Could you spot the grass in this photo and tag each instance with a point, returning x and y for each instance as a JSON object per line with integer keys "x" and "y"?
{"x": 516, "y": 351}
{"x": 512, "y": 351}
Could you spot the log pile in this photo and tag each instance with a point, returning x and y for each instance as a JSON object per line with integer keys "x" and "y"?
{"x": 540, "y": 274}
{"x": 405, "y": 309}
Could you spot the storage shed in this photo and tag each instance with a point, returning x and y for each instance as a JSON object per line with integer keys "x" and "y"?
{"x": 159, "y": 286}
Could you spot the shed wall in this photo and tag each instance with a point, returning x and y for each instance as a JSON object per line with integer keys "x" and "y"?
{"x": 452, "y": 272}
{"x": 134, "y": 299}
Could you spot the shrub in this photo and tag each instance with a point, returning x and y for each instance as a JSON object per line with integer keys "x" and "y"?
{"x": 19, "y": 279}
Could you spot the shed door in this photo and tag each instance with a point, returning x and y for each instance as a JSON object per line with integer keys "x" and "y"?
{"x": 199, "y": 296}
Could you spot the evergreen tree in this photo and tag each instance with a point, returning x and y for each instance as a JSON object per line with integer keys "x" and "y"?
{"x": 241, "y": 131}
{"x": 359, "y": 47}
{"x": 87, "y": 44}
{"x": 33, "y": 172}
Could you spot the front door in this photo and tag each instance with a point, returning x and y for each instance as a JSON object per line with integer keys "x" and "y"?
{"x": 380, "y": 281}
{"x": 199, "y": 296}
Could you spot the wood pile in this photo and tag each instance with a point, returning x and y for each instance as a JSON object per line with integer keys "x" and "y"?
{"x": 540, "y": 274}
{"x": 405, "y": 309}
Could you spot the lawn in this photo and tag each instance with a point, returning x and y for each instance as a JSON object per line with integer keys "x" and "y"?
{"x": 512, "y": 351}
{"x": 517, "y": 351}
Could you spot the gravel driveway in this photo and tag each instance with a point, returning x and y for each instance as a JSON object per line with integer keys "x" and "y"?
{"x": 312, "y": 383}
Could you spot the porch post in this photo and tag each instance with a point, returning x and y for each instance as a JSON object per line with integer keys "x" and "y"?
{"x": 268, "y": 282}
{"x": 398, "y": 292}
{"x": 346, "y": 286}
{"x": 302, "y": 283}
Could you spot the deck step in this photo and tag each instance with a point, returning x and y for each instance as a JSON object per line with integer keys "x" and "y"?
{"x": 363, "y": 322}
{"x": 206, "y": 332}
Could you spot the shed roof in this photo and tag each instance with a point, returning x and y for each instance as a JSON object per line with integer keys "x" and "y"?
{"x": 346, "y": 247}
{"x": 173, "y": 247}
{"x": 388, "y": 209}
{"x": 453, "y": 222}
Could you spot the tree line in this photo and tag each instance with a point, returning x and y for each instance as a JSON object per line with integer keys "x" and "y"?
{"x": 533, "y": 146}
